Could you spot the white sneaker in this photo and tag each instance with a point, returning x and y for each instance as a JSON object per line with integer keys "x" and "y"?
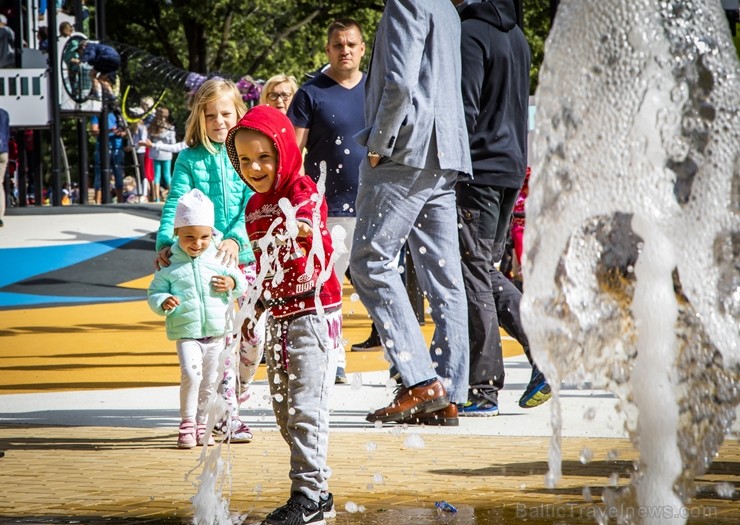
{"x": 240, "y": 432}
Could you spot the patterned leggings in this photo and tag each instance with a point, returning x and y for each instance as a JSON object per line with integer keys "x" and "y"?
{"x": 234, "y": 385}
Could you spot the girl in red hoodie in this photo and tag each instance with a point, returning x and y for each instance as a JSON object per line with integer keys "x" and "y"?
{"x": 296, "y": 284}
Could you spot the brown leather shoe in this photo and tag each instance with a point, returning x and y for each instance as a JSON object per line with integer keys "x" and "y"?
{"x": 445, "y": 417}
{"x": 411, "y": 401}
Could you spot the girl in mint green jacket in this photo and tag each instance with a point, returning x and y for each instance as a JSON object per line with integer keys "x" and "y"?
{"x": 199, "y": 308}
{"x": 205, "y": 165}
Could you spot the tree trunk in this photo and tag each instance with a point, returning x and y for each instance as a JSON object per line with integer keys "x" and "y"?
{"x": 195, "y": 34}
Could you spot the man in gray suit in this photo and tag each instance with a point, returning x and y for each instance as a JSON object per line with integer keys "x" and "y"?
{"x": 417, "y": 143}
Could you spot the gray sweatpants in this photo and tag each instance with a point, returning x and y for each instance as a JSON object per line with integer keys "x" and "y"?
{"x": 301, "y": 357}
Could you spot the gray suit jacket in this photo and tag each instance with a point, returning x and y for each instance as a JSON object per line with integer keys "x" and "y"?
{"x": 413, "y": 103}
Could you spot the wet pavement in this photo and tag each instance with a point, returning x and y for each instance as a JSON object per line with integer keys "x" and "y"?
{"x": 390, "y": 475}
{"x": 88, "y": 413}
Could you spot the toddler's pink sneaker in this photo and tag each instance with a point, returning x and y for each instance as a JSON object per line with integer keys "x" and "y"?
{"x": 201, "y": 436}
{"x": 186, "y": 436}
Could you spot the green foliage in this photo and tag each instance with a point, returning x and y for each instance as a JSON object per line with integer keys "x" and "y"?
{"x": 260, "y": 38}
{"x": 536, "y": 29}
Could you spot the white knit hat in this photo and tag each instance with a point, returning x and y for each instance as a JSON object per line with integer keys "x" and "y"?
{"x": 194, "y": 209}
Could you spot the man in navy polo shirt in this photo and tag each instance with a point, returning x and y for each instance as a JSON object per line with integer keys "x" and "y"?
{"x": 326, "y": 112}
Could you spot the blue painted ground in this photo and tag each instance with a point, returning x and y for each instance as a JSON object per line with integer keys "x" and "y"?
{"x": 73, "y": 274}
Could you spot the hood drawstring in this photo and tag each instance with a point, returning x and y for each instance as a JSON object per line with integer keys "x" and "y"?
{"x": 284, "y": 344}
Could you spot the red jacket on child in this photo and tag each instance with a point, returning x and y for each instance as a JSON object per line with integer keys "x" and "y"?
{"x": 290, "y": 269}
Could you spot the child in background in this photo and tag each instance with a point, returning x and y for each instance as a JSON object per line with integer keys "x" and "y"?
{"x": 516, "y": 232}
{"x": 194, "y": 292}
{"x": 161, "y": 131}
{"x": 303, "y": 306}
{"x": 139, "y": 133}
{"x": 204, "y": 164}
{"x": 105, "y": 62}
{"x": 129, "y": 189}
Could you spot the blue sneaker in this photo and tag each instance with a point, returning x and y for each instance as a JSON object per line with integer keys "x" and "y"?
{"x": 480, "y": 407}
{"x": 537, "y": 391}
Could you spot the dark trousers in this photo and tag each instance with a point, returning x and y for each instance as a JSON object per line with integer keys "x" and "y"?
{"x": 484, "y": 213}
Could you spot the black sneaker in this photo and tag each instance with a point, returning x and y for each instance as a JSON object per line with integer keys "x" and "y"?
{"x": 298, "y": 511}
{"x": 326, "y": 500}
{"x": 372, "y": 343}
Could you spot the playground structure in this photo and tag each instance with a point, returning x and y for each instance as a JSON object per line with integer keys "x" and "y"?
{"x": 31, "y": 94}
{"x": 47, "y": 86}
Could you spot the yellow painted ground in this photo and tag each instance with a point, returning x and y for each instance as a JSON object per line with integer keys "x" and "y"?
{"x": 124, "y": 345}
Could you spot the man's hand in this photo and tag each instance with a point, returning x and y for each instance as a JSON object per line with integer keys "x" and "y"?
{"x": 374, "y": 158}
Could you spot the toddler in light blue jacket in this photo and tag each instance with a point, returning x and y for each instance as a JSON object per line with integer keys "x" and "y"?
{"x": 194, "y": 293}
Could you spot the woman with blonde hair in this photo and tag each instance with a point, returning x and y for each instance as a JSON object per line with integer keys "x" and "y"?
{"x": 278, "y": 92}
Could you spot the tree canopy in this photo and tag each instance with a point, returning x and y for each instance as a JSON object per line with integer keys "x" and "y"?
{"x": 260, "y": 38}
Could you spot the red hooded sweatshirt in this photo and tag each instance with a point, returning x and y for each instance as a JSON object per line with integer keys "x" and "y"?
{"x": 291, "y": 270}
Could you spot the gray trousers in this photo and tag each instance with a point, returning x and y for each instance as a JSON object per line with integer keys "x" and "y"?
{"x": 398, "y": 204}
{"x": 301, "y": 356}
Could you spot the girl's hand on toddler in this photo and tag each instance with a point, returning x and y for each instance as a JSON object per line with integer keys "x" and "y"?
{"x": 228, "y": 250}
{"x": 222, "y": 283}
{"x": 170, "y": 303}
{"x": 163, "y": 258}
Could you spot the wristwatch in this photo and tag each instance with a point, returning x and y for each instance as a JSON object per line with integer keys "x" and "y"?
{"x": 374, "y": 158}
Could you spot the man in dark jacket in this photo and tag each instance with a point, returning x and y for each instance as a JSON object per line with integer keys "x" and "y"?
{"x": 495, "y": 89}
